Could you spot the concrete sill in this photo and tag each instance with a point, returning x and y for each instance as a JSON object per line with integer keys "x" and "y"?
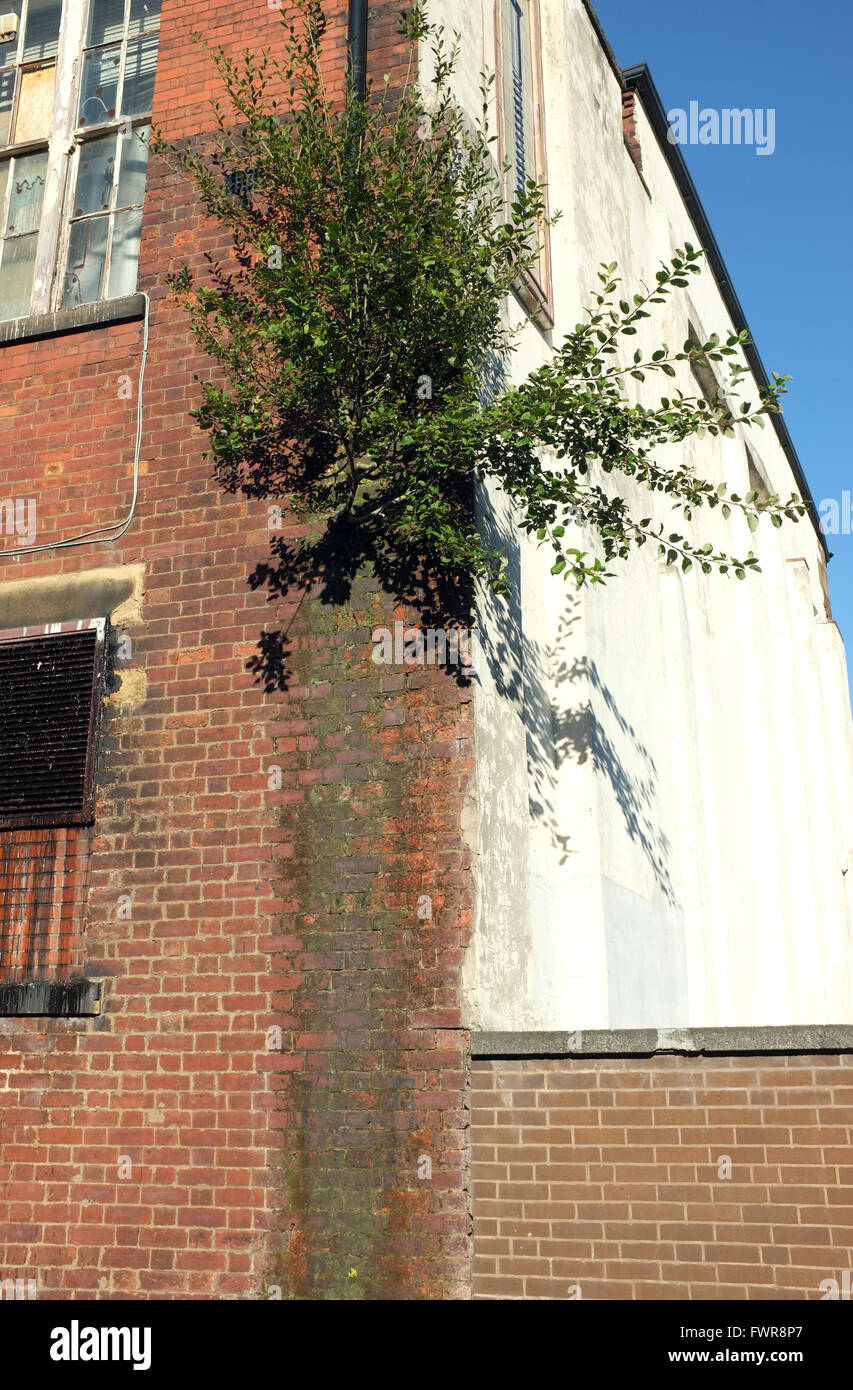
{"x": 50, "y": 999}
{"x": 647, "y": 1042}
{"x": 106, "y": 311}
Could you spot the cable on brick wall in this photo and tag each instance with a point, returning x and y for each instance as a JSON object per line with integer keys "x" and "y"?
{"x": 103, "y": 533}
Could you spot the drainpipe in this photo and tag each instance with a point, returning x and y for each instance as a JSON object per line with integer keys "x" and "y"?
{"x": 357, "y": 44}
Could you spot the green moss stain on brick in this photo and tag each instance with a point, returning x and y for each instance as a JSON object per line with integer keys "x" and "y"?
{"x": 378, "y": 1087}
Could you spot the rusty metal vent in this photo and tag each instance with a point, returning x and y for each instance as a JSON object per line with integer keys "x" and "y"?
{"x": 51, "y": 687}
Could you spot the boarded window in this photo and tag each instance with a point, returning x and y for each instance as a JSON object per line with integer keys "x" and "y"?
{"x": 51, "y": 691}
{"x": 44, "y": 883}
{"x": 28, "y": 46}
{"x": 35, "y": 104}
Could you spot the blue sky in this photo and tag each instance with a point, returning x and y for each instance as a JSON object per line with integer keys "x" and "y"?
{"x": 779, "y": 219}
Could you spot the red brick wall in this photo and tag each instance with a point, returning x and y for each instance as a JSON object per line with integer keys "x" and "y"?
{"x": 174, "y": 1146}
{"x": 602, "y": 1175}
{"x": 44, "y": 885}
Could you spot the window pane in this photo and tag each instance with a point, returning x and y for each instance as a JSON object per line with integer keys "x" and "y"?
{"x": 16, "y": 275}
{"x": 99, "y": 87}
{"x": 9, "y": 47}
{"x": 7, "y": 92}
{"x": 43, "y": 18}
{"x": 87, "y": 249}
{"x": 95, "y": 174}
{"x": 124, "y": 256}
{"x": 139, "y": 69}
{"x": 144, "y": 16}
{"x": 35, "y": 104}
{"x": 27, "y": 193}
{"x": 106, "y": 21}
{"x": 133, "y": 152}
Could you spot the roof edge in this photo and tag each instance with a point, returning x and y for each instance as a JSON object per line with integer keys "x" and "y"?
{"x": 638, "y": 79}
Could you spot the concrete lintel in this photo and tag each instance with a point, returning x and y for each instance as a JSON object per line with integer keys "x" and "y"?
{"x": 50, "y": 999}
{"x": 106, "y": 311}
{"x": 630, "y": 1042}
{"x": 109, "y": 591}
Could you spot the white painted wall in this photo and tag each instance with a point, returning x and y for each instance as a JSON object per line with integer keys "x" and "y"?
{"x": 663, "y": 809}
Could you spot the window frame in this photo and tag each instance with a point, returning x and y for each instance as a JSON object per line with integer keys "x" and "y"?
{"x": 69, "y": 220}
{"x": 533, "y": 290}
{"x": 12, "y": 160}
{"x": 66, "y": 138}
{"x": 38, "y": 632}
{"x": 21, "y": 66}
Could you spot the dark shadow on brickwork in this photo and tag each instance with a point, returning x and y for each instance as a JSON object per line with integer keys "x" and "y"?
{"x": 290, "y": 464}
{"x": 329, "y": 567}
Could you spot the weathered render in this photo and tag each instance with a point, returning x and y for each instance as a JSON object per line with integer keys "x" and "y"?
{"x": 665, "y": 763}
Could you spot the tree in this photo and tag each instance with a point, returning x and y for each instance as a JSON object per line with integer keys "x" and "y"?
{"x": 362, "y": 342}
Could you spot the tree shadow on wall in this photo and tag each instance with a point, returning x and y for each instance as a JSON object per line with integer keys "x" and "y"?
{"x": 540, "y": 681}
{"x": 333, "y": 568}
{"x": 351, "y": 550}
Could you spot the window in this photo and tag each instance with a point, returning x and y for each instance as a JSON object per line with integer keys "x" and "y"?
{"x": 712, "y": 389}
{"x": 76, "y": 92}
{"x": 29, "y": 37}
{"x": 757, "y": 479}
{"x": 52, "y": 685}
{"x": 21, "y": 193}
{"x": 51, "y": 692}
{"x": 522, "y": 131}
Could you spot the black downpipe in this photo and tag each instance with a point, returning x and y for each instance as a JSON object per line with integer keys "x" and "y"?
{"x": 357, "y": 45}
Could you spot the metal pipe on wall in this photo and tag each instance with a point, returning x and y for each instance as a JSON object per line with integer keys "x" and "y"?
{"x": 357, "y": 44}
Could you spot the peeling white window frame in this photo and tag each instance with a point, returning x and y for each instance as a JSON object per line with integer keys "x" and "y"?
{"x": 66, "y": 139}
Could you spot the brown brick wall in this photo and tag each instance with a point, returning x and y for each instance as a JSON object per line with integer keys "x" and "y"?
{"x": 174, "y": 1146}
{"x": 602, "y": 1174}
{"x": 44, "y": 885}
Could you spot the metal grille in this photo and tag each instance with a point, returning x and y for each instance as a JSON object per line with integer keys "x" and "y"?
{"x": 240, "y": 183}
{"x": 50, "y": 697}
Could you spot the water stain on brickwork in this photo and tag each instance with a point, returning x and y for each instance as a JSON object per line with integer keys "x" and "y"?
{"x": 357, "y": 1219}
